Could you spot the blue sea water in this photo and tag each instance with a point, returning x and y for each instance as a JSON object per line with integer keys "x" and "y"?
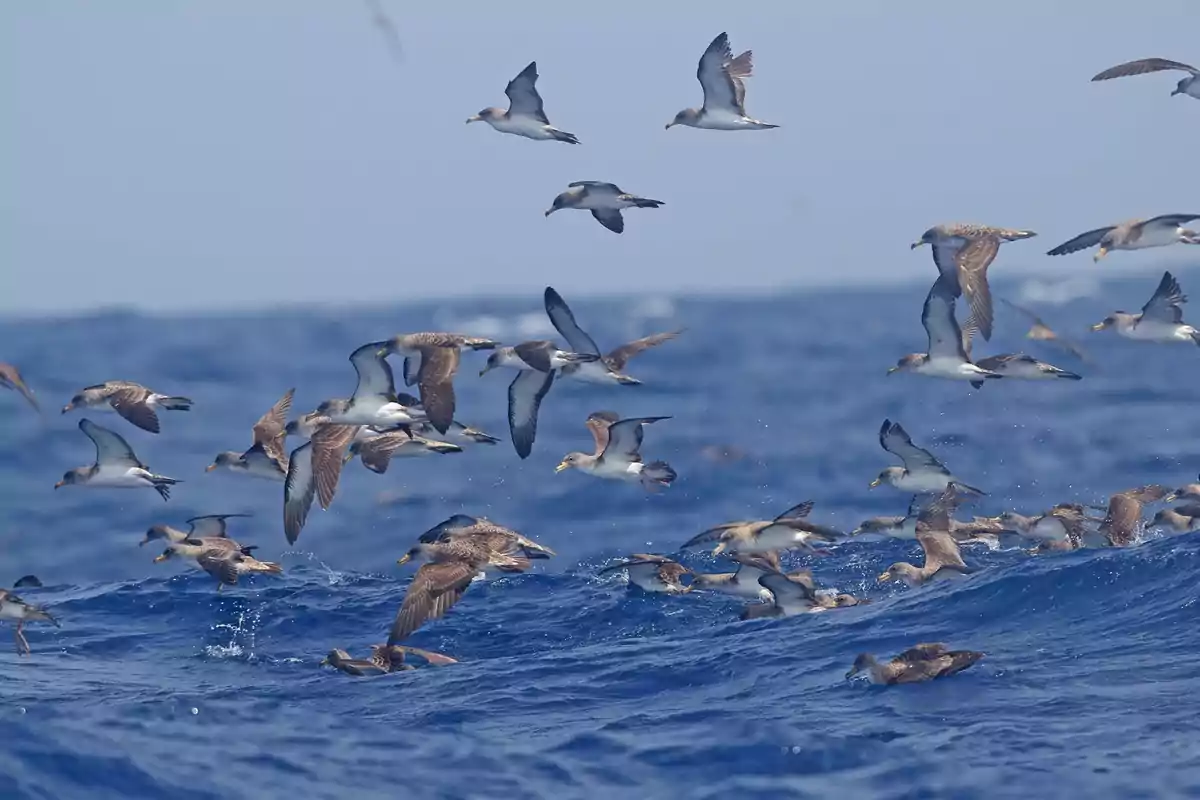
{"x": 572, "y": 685}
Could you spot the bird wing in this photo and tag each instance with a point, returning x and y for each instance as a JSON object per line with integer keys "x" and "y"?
{"x": 923, "y": 652}
{"x": 434, "y": 590}
{"x": 523, "y": 97}
{"x": 799, "y": 511}
{"x": 328, "y": 455}
{"x": 299, "y": 489}
{"x": 1033, "y": 318}
{"x": 1082, "y": 241}
{"x": 720, "y": 76}
{"x": 1141, "y": 66}
{"x": 536, "y": 353}
{"x": 564, "y": 322}
{"x": 376, "y": 452}
{"x": 447, "y": 528}
{"x": 973, "y": 261}
{"x": 625, "y": 438}
{"x": 210, "y": 525}
{"x": 788, "y": 592}
{"x": 220, "y": 564}
{"x": 436, "y": 382}
{"x": 269, "y": 430}
{"x": 374, "y": 373}
{"x": 111, "y": 448}
{"x": 752, "y": 565}
{"x": 610, "y": 218}
{"x": 131, "y": 404}
{"x": 618, "y": 358}
{"x": 1169, "y": 221}
{"x": 525, "y": 395}
{"x": 894, "y": 439}
{"x": 599, "y": 423}
{"x": 411, "y": 369}
{"x": 12, "y": 375}
{"x": 634, "y": 560}
{"x": 945, "y": 337}
{"x": 1166, "y": 303}
{"x": 1121, "y": 522}
{"x": 940, "y": 550}
{"x": 610, "y": 188}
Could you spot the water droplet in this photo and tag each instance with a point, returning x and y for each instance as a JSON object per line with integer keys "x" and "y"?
{"x": 195, "y": 711}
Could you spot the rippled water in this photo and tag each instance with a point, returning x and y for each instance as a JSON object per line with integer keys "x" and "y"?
{"x": 571, "y": 685}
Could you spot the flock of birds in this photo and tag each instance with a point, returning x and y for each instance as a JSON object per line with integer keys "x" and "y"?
{"x": 377, "y": 424}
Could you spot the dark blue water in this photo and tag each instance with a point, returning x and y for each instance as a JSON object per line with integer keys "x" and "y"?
{"x": 570, "y": 685}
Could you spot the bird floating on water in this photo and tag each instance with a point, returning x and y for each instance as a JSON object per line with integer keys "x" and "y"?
{"x": 1181, "y": 519}
{"x": 943, "y": 560}
{"x": 924, "y": 662}
{"x": 131, "y": 400}
{"x": 946, "y": 357}
{"x": 1134, "y": 234}
{"x": 116, "y": 465}
{"x": 1188, "y": 85}
{"x": 790, "y": 530}
{"x": 619, "y": 457}
{"x": 604, "y": 200}
{"x": 1161, "y": 319}
{"x": 652, "y": 573}
{"x": 723, "y": 79}
{"x": 526, "y": 115}
{"x": 266, "y": 457}
{"x": 922, "y": 473}
{"x": 962, "y": 252}
{"x": 744, "y": 581}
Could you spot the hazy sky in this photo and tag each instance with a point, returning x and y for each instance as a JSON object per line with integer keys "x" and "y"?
{"x": 223, "y": 153}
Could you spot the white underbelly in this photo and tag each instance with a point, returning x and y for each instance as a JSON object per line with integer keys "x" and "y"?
{"x": 923, "y": 482}
{"x": 1151, "y": 331}
{"x": 591, "y": 372}
{"x": 951, "y": 369}
{"x": 522, "y": 126}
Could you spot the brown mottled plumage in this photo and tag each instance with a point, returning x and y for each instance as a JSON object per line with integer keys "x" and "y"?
{"x": 653, "y": 573}
{"x": 923, "y": 662}
{"x": 10, "y": 378}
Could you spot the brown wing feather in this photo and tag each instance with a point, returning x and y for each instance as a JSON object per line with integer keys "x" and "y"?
{"x": 435, "y": 380}
{"x": 1140, "y": 67}
{"x": 329, "y": 444}
{"x": 619, "y": 357}
{"x": 973, "y": 261}
{"x": 434, "y": 590}
{"x": 130, "y": 403}
{"x": 940, "y": 550}
{"x": 269, "y": 430}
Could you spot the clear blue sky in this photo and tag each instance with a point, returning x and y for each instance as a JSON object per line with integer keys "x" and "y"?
{"x": 224, "y": 153}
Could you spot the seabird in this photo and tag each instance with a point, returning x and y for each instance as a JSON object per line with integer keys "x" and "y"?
{"x": 980, "y": 529}
{"x": 946, "y": 357}
{"x": 1018, "y": 366}
{"x": 386, "y": 27}
{"x": 1189, "y": 492}
{"x": 116, "y": 465}
{"x": 314, "y": 469}
{"x": 17, "y": 610}
{"x": 525, "y": 116}
{"x": 202, "y": 527}
{"x": 1161, "y": 319}
{"x": 377, "y": 451}
{"x": 962, "y": 252}
{"x": 10, "y": 378}
{"x": 1183, "y": 519}
{"x": 219, "y": 556}
{"x": 607, "y": 368}
{"x": 374, "y": 400}
{"x": 790, "y": 530}
{"x": 791, "y": 594}
{"x": 604, "y": 200}
{"x": 743, "y": 582}
{"x": 1062, "y": 526}
{"x": 458, "y": 430}
{"x": 1123, "y": 516}
{"x": 1189, "y": 84}
{"x": 1041, "y": 332}
{"x": 380, "y": 662}
{"x": 653, "y": 573}
{"x": 923, "y": 662}
{"x": 449, "y": 570}
{"x": 303, "y": 427}
{"x": 921, "y": 473}
{"x": 299, "y": 489}
{"x": 723, "y": 79}
{"x": 620, "y": 458}
{"x": 266, "y": 457}
{"x": 132, "y": 401}
{"x": 943, "y": 560}
{"x": 430, "y": 361}
{"x": 536, "y": 362}
{"x": 480, "y": 531}
{"x": 1134, "y": 234}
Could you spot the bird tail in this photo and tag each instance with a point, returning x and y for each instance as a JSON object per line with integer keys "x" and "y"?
{"x": 1196, "y": 334}
{"x": 163, "y": 484}
{"x": 563, "y": 136}
{"x": 268, "y": 567}
{"x": 479, "y": 343}
{"x": 1071, "y": 376}
{"x": 977, "y": 384}
{"x": 643, "y": 202}
{"x": 42, "y": 615}
{"x": 659, "y": 472}
{"x": 175, "y": 403}
{"x": 625, "y": 380}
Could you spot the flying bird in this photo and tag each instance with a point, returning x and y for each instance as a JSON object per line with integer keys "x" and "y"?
{"x": 922, "y": 473}
{"x": 1041, "y": 332}
{"x": 430, "y": 361}
{"x": 266, "y": 457}
{"x": 620, "y": 458}
{"x": 1188, "y": 85}
{"x": 1161, "y": 319}
{"x": 10, "y": 378}
{"x": 946, "y": 357}
{"x": 1018, "y": 366}
{"x": 604, "y": 200}
{"x": 131, "y": 400}
{"x": 723, "y": 79}
{"x": 116, "y": 465}
{"x": 525, "y": 116}
{"x": 1134, "y": 234}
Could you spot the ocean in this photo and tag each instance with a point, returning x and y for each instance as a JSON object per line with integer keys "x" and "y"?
{"x": 576, "y": 686}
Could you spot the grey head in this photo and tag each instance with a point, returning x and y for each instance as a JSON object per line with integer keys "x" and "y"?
{"x": 689, "y": 116}
{"x": 1112, "y": 320}
{"x": 495, "y": 359}
{"x": 72, "y": 477}
{"x": 567, "y": 199}
{"x": 575, "y": 460}
{"x": 862, "y": 663}
{"x": 888, "y": 476}
{"x": 1183, "y": 85}
{"x": 486, "y": 115}
{"x": 909, "y": 362}
{"x": 930, "y": 236}
{"x": 229, "y": 458}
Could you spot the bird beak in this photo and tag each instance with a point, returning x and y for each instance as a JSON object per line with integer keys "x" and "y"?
{"x": 487, "y": 368}
{"x": 1175, "y": 92}
{"x": 1099, "y": 326}
{"x": 915, "y": 245}
{"x": 549, "y": 211}
{"x": 67, "y": 407}
{"x": 60, "y": 483}
{"x": 892, "y": 369}
{"x": 851, "y": 674}
{"x": 1171, "y": 497}
{"x": 346, "y": 459}
{"x": 474, "y": 118}
{"x": 720, "y": 548}
{"x": 1101, "y": 253}
{"x": 159, "y": 558}
{"x": 561, "y": 466}
{"x": 325, "y": 660}
{"x": 884, "y": 577}
{"x": 669, "y": 124}
{"x": 874, "y": 483}
{"x": 404, "y": 559}
{"x": 210, "y": 467}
